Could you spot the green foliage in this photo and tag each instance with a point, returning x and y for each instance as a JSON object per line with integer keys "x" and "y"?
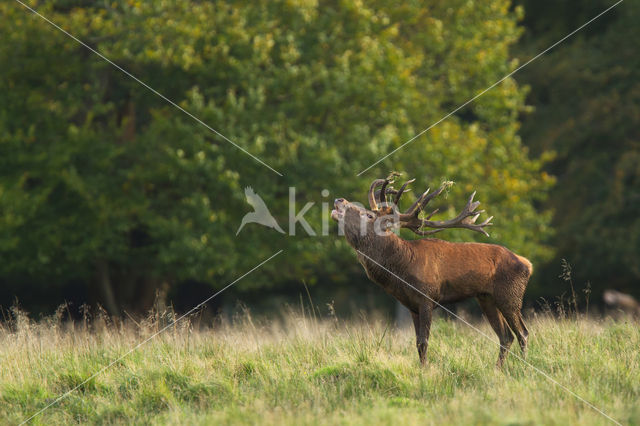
{"x": 100, "y": 180}
{"x": 587, "y": 110}
{"x": 312, "y": 372}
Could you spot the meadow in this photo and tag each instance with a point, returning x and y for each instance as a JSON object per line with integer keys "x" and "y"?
{"x": 302, "y": 369}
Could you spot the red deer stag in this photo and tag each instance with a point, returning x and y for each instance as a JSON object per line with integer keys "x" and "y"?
{"x": 427, "y": 272}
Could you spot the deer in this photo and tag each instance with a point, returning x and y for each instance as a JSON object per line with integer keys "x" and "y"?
{"x": 425, "y": 273}
{"x": 621, "y": 302}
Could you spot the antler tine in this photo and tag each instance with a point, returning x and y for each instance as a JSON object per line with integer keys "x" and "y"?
{"x": 390, "y": 191}
{"x": 421, "y": 202}
{"x": 382, "y": 195}
{"x": 401, "y": 190}
{"x": 431, "y": 197}
{"x": 465, "y": 219}
{"x": 414, "y": 207}
{"x": 432, "y": 213}
{"x": 468, "y": 210}
{"x": 372, "y": 198}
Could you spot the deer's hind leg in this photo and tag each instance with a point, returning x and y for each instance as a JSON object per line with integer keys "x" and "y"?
{"x": 510, "y": 309}
{"x": 508, "y": 295}
{"x": 515, "y": 321}
{"x": 499, "y": 325}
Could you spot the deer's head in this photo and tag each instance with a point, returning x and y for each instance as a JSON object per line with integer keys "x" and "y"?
{"x": 360, "y": 223}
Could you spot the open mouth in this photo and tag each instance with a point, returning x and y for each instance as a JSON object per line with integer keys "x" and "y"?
{"x": 338, "y": 212}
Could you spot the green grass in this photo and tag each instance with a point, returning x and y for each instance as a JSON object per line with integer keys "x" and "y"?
{"x": 301, "y": 371}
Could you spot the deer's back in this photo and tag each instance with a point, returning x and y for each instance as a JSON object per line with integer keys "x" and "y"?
{"x": 461, "y": 270}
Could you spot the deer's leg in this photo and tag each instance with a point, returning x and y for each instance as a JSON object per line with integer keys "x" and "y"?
{"x": 416, "y": 322}
{"x": 499, "y": 325}
{"x": 517, "y": 324}
{"x": 514, "y": 319}
{"x": 423, "y": 327}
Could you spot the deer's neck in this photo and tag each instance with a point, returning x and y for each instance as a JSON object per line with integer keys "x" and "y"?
{"x": 388, "y": 251}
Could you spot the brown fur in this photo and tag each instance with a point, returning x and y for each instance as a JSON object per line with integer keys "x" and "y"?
{"x": 445, "y": 272}
{"x": 621, "y": 303}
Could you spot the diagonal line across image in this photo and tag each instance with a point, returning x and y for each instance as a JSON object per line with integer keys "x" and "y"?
{"x": 528, "y": 364}
{"x": 538, "y": 370}
{"x": 490, "y": 87}
{"x": 61, "y": 397}
{"x": 162, "y": 330}
{"x": 142, "y": 83}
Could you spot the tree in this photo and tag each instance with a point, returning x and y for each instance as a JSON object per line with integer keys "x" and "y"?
{"x": 105, "y": 183}
{"x": 586, "y": 99}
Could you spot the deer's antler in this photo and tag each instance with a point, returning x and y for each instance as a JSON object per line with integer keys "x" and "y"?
{"x": 380, "y": 196}
{"x": 396, "y": 192}
{"x": 465, "y": 219}
{"x": 373, "y": 195}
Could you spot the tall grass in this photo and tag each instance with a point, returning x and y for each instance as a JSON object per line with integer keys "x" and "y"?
{"x": 309, "y": 369}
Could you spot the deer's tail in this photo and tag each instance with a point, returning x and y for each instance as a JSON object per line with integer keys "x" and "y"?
{"x": 526, "y": 263}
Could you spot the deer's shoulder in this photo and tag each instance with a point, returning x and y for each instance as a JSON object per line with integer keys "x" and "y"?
{"x": 467, "y": 248}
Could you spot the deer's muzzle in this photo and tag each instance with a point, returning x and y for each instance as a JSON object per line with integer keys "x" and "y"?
{"x": 338, "y": 212}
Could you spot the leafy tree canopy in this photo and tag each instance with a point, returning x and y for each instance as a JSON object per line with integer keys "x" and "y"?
{"x": 103, "y": 182}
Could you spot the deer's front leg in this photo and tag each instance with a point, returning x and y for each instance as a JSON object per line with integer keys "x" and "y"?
{"x": 422, "y": 323}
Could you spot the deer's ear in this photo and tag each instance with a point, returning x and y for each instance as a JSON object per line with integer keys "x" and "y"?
{"x": 385, "y": 211}
{"x": 386, "y": 222}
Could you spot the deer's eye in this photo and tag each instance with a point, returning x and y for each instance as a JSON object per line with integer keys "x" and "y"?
{"x": 370, "y": 216}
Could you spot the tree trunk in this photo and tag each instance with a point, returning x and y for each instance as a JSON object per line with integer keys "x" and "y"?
{"x": 106, "y": 289}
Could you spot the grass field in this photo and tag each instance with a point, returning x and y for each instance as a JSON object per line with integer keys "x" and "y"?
{"x": 299, "y": 370}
